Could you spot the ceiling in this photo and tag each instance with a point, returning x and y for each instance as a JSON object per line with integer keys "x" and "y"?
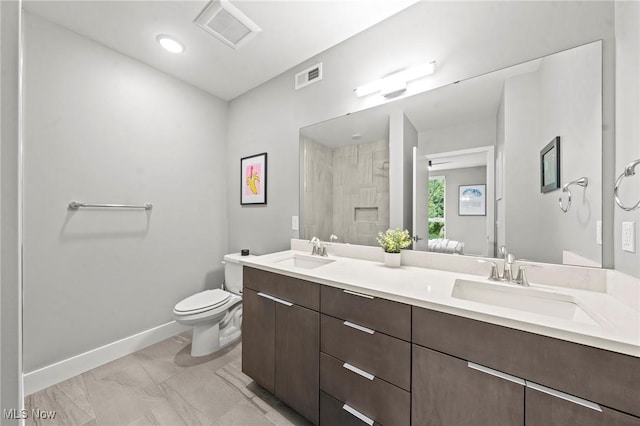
{"x": 292, "y": 32}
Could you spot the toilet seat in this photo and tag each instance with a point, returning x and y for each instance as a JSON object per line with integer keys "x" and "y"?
{"x": 202, "y": 302}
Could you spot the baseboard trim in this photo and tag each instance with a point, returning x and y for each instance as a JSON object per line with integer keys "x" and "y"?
{"x": 55, "y": 373}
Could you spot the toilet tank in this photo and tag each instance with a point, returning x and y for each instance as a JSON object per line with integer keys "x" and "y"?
{"x": 233, "y": 272}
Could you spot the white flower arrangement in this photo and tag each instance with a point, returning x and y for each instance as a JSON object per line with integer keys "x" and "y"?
{"x": 392, "y": 241}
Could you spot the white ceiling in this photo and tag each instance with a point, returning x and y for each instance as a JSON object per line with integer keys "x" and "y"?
{"x": 292, "y": 32}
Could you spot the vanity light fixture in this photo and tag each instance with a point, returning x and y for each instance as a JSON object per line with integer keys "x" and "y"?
{"x": 396, "y": 83}
{"x": 170, "y": 44}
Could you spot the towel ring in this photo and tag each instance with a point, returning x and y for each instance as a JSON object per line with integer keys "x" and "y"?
{"x": 628, "y": 171}
{"x": 583, "y": 182}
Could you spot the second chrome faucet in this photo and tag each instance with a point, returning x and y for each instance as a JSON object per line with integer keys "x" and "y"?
{"x": 507, "y": 272}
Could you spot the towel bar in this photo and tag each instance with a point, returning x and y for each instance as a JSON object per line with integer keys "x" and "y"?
{"x": 74, "y": 205}
{"x": 583, "y": 182}
{"x": 628, "y": 171}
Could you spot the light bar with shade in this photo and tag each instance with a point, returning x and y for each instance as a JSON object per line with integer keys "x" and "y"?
{"x": 396, "y": 83}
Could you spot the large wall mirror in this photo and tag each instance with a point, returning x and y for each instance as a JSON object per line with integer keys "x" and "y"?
{"x": 483, "y": 172}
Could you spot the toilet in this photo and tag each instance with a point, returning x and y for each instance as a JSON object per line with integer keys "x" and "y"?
{"x": 216, "y": 315}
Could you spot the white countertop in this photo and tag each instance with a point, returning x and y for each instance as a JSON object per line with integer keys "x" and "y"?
{"x": 612, "y": 325}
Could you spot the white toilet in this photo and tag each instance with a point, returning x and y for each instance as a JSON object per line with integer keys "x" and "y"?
{"x": 215, "y": 314}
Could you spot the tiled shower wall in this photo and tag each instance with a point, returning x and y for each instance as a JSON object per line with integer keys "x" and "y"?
{"x": 361, "y": 192}
{"x": 356, "y": 177}
{"x": 318, "y": 190}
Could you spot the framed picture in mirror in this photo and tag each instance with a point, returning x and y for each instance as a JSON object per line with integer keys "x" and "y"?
{"x": 472, "y": 200}
{"x": 550, "y": 166}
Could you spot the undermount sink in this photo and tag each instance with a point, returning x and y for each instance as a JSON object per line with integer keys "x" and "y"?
{"x": 556, "y": 305}
{"x": 305, "y": 261}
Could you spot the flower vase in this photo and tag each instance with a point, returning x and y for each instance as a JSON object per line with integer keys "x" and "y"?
{"x": 392, "y": 260}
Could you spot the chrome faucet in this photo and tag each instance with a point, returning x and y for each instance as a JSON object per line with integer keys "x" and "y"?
{"x": 319, "y": 246}
{"x": 521, "y": 277}
{"x": 507, "y": 272}
{"x": 315, "y": 242}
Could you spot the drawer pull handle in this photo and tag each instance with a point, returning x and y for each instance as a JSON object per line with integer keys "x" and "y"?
{"x": 358, "y": 371}
{"x": 565, "y": 396}
{"x": 357, "y": 414}
{"x": 359, "y": 327}
{"x": 275, "y": 299}
{"x": 496, "y": 373}
{"x": 353, "y": 293}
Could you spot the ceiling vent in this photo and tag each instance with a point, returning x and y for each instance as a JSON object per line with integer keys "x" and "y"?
{"x": 225, "y": 21}
{"x": 309, "y": 76}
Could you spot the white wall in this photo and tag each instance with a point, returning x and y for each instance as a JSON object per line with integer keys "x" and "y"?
{"x": 627, "y": 18}
{"x": 521, "y": 153}
{"x": 562, "y": 98}
{"x": 466, "y": 38}
{"x": 103, "y": 128}
{"x": 10, "y": 213}
{"x": 409, "y": 141}
{"x": 571, "y": 107}
{"x": 403, "y": 136}
{"x": 396, "y": 170}
{"x": 500, "y": 225}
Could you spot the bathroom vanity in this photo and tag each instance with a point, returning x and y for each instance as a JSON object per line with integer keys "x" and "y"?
{"x": 345, "y": 340}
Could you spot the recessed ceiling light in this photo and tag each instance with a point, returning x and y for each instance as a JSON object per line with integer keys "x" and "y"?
{"x": 170, "y": 43}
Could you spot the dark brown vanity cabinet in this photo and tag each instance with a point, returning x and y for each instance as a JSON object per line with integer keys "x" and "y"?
{"x": 340, "y": 357}
{"x": 547, "y": 381}
{"x": 365, "y": 360}
{"x": 281, "y": 338}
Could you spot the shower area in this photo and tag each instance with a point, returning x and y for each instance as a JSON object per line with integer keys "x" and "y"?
{"x": 345, "y": 190}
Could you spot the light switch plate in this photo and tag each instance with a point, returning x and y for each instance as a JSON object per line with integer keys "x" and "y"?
{"x": 629, "y": 236}
{"x": 295, "y": 223}
{"x": 599, "y": 232}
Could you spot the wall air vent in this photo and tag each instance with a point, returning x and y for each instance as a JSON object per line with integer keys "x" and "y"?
{"x": 309, "y": 76}
{"x": 227, "y": 23}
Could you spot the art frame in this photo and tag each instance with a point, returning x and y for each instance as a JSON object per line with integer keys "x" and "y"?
{"x": 550, "y": 166}
{"x": 253, "y": 179}
{"x": 472, "y": 200}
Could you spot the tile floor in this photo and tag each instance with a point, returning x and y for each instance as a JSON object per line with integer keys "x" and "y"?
{"x": 163, "y": 385}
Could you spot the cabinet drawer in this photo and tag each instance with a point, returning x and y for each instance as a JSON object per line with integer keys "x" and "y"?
{"x": 449, "y": 390}
{"x": 333, "y": 413}
{"x": 376, "y": 399}
{"x": 544, "y": 409}
{"x": 294, "y": 290}
{"x": 381, "y": 355}
{"x": 608, "y": 378}
{"x": 382, "y": 315}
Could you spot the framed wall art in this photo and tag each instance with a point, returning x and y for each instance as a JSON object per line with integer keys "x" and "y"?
{"x": 550, "y": 166}
{"x": 253, "y": 179}
{"x": 472, "y": 200}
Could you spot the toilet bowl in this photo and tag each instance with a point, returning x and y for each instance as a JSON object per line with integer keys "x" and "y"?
{"x": 216, "y": 315}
